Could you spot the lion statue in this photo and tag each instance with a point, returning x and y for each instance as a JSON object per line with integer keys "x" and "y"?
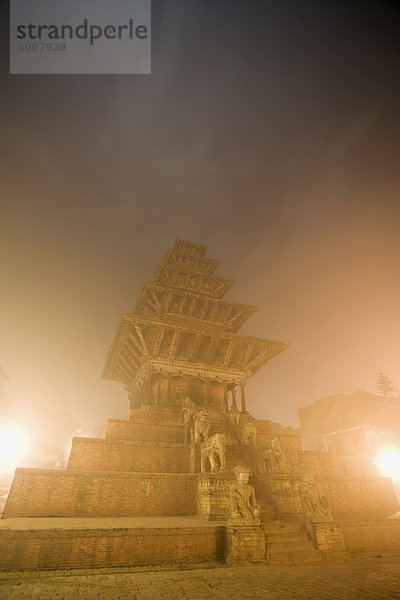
{"x": 201, "y": 426}
{"x": 213, "y": 451}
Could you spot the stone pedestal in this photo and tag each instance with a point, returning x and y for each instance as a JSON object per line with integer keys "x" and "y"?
{"x": 194, "y": 457}
{"x": 213, "y": 494}
{"x": 244, "y": 521}
{"x": 328, "y": 538}
{"x": 245, "y": 544}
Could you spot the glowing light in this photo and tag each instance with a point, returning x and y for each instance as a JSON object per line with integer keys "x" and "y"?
{"x": 14, "y": 446}
{"x": 388, "y": 462}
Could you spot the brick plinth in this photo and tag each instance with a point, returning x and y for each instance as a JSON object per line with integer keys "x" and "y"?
{"x": 139, "y": 431}
{"x": 77, "y": 548}
{"x": 213, "y": 494}
{"x": 41, "y": 493}
{"x": 116, "y": 455}
{"x": 156, "y": 414}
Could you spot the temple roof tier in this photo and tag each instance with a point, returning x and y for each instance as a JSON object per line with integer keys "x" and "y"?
{"x": 169, "y": 275}
{"x": 139, "y": 339}
{"x": 191, "y": 308}
{"x": 196, "y": 264}
{"x": 180, "y": 324}
{"x": 189, "y": 248}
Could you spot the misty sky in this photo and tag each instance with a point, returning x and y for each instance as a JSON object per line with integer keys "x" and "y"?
{"x": 269, "y": 131}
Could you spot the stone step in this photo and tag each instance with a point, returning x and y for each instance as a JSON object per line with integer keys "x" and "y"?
{"x": 292, "y": 544}
{"x": 287, "y": 541}
{"x": 231, "y": 438}
{"x": 289, "y": 556}
{"x": 241, "y": 454}
{"x": 287, "y": 538}
{"x": 283, "y": 526}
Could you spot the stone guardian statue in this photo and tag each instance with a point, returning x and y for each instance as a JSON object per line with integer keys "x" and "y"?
{"x": 244, "y": 509}
{"x": 271, "y": 457}
{"x": 316, "y": 507}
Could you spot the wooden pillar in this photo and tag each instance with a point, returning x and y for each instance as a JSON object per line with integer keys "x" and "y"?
{"x": 189, "y": 388}
{"x": 142, "y": 392}
{"x": 169, "y": 390}
{"x": 243, "y": 398}
{"x": 145, "y": 391}
{"x": 207, "y": 392}
{"x": 225, "y": 395}
{"x": 234, "y": 403}
{"x": 156, "y": 398}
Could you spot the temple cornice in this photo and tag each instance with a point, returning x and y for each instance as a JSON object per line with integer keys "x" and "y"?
{"x": 140, "y": 339}
{"x": 156, "y": 301}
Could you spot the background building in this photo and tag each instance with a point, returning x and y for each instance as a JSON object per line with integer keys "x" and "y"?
{"x": 357, "y": 427}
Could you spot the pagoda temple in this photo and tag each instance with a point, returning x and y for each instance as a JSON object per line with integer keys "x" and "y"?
{"x": 189, "y": 475}
{"x": 181, "y": 338}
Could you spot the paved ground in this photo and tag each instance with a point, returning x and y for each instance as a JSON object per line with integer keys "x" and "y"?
{"x": 357, "y": 579}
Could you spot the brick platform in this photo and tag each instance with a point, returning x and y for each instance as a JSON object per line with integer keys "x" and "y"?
{"x": 28, "y": 543}
{"x": 67, "y": 493}
{"x": 74, "y": 543}
{"x": 123, "y": 455}
{"x": 121, "y": 429}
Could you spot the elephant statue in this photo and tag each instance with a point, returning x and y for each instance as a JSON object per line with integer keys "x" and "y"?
{"x": 213, "y": 451}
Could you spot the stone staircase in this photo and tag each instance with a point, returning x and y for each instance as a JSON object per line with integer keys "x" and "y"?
{"x": 221, "y": 423}
{"x": 287, "y": 542}
{"x": 241, "y": 455}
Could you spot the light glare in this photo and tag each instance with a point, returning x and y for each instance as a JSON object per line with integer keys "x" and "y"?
{"x": 14, "y": 446}
{"x": 388, "y": 462}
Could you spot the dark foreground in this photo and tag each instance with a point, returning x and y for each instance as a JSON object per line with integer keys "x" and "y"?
{"x": 371, "y": 578}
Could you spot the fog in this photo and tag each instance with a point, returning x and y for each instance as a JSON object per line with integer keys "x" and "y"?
{"x": 267, "y": 131}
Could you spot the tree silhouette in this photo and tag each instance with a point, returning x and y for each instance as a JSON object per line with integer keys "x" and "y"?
{"x": 384, "y": 385}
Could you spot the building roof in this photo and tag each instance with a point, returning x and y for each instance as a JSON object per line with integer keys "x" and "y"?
{"x": 343, "y": 411}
